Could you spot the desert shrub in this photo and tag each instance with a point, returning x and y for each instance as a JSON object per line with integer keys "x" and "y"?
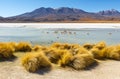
{"x": 73, "y": 48}
{"x": 99, "y": 53}
{"x": 64, "y": 46}
{"x": 13, "y": 44}
{"x": 6, "y": 50}
{"x": 54, "y": 55}
{"x": 79, "y": 50}
{"x": 61, "y": 46}
{"x": 82, "y": 61}
{"x": 83, "y": 51}
{"x": 100, "y": 45}
{"x": 23, "y": 47}
{"x": 39, "y": 48}
{"x": 99, "y": 50}
{"x": 65, "y": 59}
{"x": 113, "y": 52}
{"x": 88, "y": 46}
{"x": 35, "y": 61}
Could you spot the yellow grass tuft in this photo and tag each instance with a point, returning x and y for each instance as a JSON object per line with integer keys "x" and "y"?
{"x": 54, "y": 54}
{"x": 65, "y": 59}
{"x": 61, "y": 46}
{"x": 83, "y": 51}
{"x": 88, "y": 46}
{"x": 6, "y": 50}
{"x": 73, "y": 48}
{"x": 13, "y": 44}
{"x": 100, "y": 45}
{"x": 35, "y": 61}
{"x": 99, "y": 50}
{"x": 99, "y": 53}
{"x": 23, "y": 47}
{"x": 39, "y": 48}
{"x": 82, "y": 61}
{"x": 113, "y": 52}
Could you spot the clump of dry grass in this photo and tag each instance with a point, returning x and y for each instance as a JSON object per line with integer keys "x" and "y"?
{"x": 39, "y": 48}
{"x": 88, "y": 46}
{"x": 79, "y": 50}
{"x": 113, "y": 52}
{"x": 75, "y": 56}
{"x": 99, "y": 50}
{"x": 82, "y": 61}
{"x": 23, "y": 47}
{"x": 36, "y": 48}
{"x": 35, "y": 61}
{"x": 6, "y": 50}
{"x": 66, "y": 46}
{"x": 13, "y": 44}
{"x": 73, "y": 48}
{"x": 63, "y": 54}
{"x": 72, "y": 52}
{"x": 99, "y": 53}
{"x": 100, "y": 45}
{"x": 65, "y": 59}
{"x": 54, "y": 55}
{"x": 83, "y": 51}
{"x": 61, "y": 46}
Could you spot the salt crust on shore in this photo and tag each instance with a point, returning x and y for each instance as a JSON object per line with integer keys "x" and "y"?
{"x": 62, "y": 25}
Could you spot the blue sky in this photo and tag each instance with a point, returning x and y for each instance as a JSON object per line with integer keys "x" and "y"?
{"x": 16, "y": 7}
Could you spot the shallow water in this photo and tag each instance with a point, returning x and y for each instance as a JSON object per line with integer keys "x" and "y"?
{"x": 48, "y": 36}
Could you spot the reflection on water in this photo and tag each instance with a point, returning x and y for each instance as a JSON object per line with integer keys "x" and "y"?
{"x": 48, "y": 36}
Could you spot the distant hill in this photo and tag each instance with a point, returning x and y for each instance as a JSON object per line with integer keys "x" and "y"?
{"x": 110, "y": 13}
{"x": 64, "y": 14}
{"x": 2, "y": 19}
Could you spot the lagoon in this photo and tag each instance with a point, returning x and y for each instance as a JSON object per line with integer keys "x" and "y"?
{"x": 47, "y": 33}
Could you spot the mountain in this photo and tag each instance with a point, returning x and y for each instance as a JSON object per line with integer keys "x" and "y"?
{"x": 63, "y": 14}
{"x": 2, "y": 19}
{"x": 110, "y": 13}
{"x": 37, "y": 13}
{"x": 41, "y": 12}
{"x": 51, "y": 15}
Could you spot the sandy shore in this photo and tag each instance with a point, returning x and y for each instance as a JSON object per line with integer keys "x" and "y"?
{"x": 108, "y": 69}
{"x": 62, "y": 25}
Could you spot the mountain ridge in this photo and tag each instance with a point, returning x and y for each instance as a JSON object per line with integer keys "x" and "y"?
{"x": 111, "y": 12}
{"x": 63, "y": 14}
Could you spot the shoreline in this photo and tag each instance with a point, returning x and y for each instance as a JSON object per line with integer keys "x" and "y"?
{"x": 62, "y": 25}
